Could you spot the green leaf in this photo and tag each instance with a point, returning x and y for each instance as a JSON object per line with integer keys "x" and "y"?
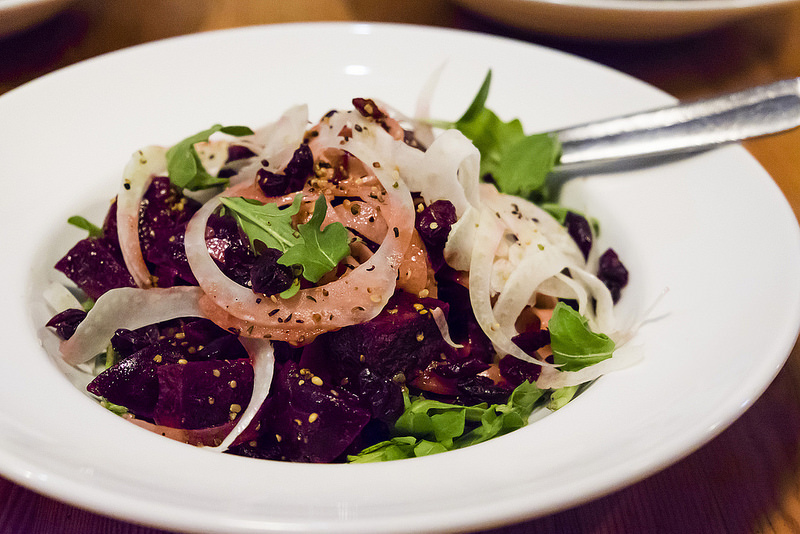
{"x": 393, "y": 449}
{"x": 320, "y": 250}
{"x": 183, "y": 162}
{"x": 84, "y": 224}
{"x": 437, "y": 426}
{"x": 267, "y": 223}
{"x": 114, "y": 408}
{"x": 560, "y": 397}
{"x": 479, "y": 102}
{"x": 574, "y": 345}
{"x": 426, "y": 448}
{"x": 517, "y": 163}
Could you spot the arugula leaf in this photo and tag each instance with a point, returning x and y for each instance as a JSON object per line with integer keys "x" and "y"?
{"x": 392, "y": 449}
{"x": 84, "y": 224}
{"x": 267, "y": 223}
{"x": 319, "y": 250}
{"x": 574, "y": 344}
{"x": 316, "y": 251}
{"x": 429, "y": 426}
{"x": 517, "y": 163}
{"x": 183, "y": 162}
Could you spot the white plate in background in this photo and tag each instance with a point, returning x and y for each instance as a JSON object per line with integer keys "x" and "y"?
{"x": 19, "y": 15}
{"x": 622, "y": 20}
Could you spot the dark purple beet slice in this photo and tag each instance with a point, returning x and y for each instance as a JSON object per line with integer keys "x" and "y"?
{"x": 202, "y": 394}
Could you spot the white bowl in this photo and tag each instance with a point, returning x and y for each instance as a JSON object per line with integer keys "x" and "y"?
{"x": 714, "y": 229}
{"x": 622, "y": 20}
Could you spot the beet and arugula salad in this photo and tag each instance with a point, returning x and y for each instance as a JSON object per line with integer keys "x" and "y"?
{"x": 366, "y": 288}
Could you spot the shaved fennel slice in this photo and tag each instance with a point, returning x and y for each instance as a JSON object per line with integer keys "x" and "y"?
{"x": 59, "y": 298}
{"x": 448, "y": 170}
{"x": 262, "y": 357}
{"x": 274, "y": 143}
{"x": 461, "y": 241}
{"x": 488, "y": 235}
{"x": 130, "y": 308}
{"x": 627, "y": 356}
{"x": 441, "y": 323}
{"x": 538, "y": 265}
{"x": 136, "y": 178}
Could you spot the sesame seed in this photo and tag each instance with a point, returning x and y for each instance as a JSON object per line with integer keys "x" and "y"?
{"x": 420, "y": 336}
{"x": 253, "y": 443}
{"x": 418, "y": 306}
{"x": 232, "y": 383}
{"x": 183, "y": 361}
{"x": 317, "y": 381}
{"x": 434, "y": 226}
{"x": 157, "y": 358}
{"x": 236, "y": 408}
{"x": 298, "y": 422}
{"x": 180, "y": 335}
{"x": 211, "y": 400}
{"x": 278, "y": 438}
{"x": 216, "y": 373}
{"x": 424, "y": 293}
{"x": 313, "y": 417}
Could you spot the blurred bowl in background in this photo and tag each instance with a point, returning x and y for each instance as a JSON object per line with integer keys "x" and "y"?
{"x": 621, "y": 20}
{"x": 18, "y": 15}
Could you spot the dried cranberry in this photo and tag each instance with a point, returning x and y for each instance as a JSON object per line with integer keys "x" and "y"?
{"x": 461, "y": 368}
{"x": 293, "y": 177}
{"x": 434, "y": 223}
{"x": 483, "y": 389}
{"x": 580, "y": 231}
{"x": 237, "y": 152}
{"x": 612, "y": 273}
{"x": 66, "y": 322}
{"x": 269, "y": 277}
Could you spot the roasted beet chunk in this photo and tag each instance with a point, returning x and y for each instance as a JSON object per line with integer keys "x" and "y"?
{"x": 399, "y": 339}
{"x": 464, "y": 328}
{"x": 94, "y": 267}
{"x": 580, "y": 231}
{"x": 293, "y": 177}
{"x": 612, "y": 273}
{"x": 307, "y": 420}
{"x": 202, "y": 394}
{"x": 131, "y": 383}
{"x": 163, "y": 215}
{"x": 517, "y": 371}
{"x": 269, "y": 277}
{"x": 66, "y": 322}
{"x": 192, "y": 339}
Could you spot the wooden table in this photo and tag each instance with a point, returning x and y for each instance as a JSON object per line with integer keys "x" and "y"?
{"x": 745, "y": 480}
